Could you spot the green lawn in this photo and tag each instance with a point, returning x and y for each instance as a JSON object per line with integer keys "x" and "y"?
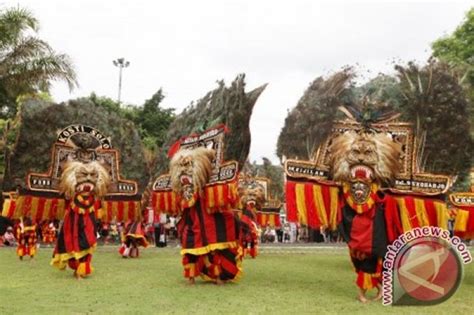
{"x": 290, "y": 282}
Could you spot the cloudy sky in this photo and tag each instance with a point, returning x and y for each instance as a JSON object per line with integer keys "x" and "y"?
{"x": 185, "y": 46}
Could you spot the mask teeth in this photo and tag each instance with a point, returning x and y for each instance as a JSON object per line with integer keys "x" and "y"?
{"x": 367, "y": 171}
{"x": 185, "y": 180}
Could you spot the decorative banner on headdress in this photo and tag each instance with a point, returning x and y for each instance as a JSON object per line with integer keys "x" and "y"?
{"x": 41, "y": 200}
{"x": 464, "y": 214}
{"x": 312, "y": 204}
{"x": 85, "y": 144}
{"x": 269, "y": 215}
{"x": 408, "y": 180}
{"x": 212, "y": 139}
{"x": 313, "y": 198}
{"x": 417, "y": 211}
{"x": 220, "y": 193}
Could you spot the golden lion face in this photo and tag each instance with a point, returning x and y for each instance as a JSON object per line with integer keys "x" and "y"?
{"x": 190, "y": 170}
{"x": 79, "y": 177}
{"x": 364, "y": 157}
{"x": 252, "y": 194}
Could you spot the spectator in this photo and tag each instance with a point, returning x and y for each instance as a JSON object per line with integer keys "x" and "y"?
{"x": 114, "y": 234}
{"x": 286, "y": 233}
{"x": 9, "y": 237}
{"x": 279, "y": 233}
{"x": 160, "y": 231}
{"x": 172, "y": 227}
{"x": 105, "y": 233}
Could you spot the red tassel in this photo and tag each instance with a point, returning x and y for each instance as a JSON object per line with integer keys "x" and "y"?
{"x": 291, "y": 211}
{"x": 12, "y": 208}
{"x": 313, "y": 219}
{"x": 392, "y": 218}
{"x": 174, "y": 148}
{"x": 39, "y": 212}
{"x": 431, "y": 211}
{"x": 226, "y": 129}
{"x": 277, "y": 220}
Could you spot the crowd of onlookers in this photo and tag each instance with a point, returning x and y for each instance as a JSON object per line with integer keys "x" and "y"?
{"x": 164, "y": 229}
{"x": 107, "y": 233}
{"x": 295, "y": 233}
{"x": 46, "y": 232}
{"x": 156, "y": 233}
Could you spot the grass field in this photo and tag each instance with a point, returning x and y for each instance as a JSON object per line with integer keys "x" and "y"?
{"x": 277, "y": 282}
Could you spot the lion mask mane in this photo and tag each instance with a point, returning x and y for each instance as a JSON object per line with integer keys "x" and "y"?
{"x": 252, "y": 192}
{"x": 190, "y": 170}
{"x": 79, "y": 177}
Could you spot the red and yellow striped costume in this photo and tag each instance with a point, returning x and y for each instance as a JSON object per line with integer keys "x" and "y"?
{"x": 49, "y": 233}
{"x": 78, "y": 235}
{"x": 132, "y": 238}
{"x": 26, "y": 237}
{"x": 249, "y": 230}
{"x": 463, "y": 214}
{"x": 209, "y": 242}
{"x": 317, "y": 204}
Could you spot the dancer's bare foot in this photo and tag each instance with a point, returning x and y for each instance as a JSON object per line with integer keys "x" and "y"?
{"x": 361, "y": 296}
{"x": 77, "y": 276}
{"x": 378, "y": 297}
{"x": 191, "y": 281}
{"x": 219, "y": 281}
{"x": 362, "y": 299}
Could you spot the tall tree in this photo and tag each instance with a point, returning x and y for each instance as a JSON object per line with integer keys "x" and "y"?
{"x": 150, "y": 119}
{"x": 457, "y": 50}
{"x": 154, "y": 121}
{"x": 27, "y": 64}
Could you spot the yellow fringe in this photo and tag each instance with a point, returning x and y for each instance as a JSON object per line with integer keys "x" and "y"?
{"x": 460, "y": 222}
{"x": 6, "y": 207}
{"x": 239, "y": 274}
{"x": 60, "y": 260}
{"x": 207, "y": 249}
{"x": 319, "y": 201}
{"x": 442, "y": 215}
{"x": 421, "y": 212}
{"x": 406, "y": 225}
{"x": 137, "y": 236}
{"x": 81, "y": 269}
{"x": 300, "y": 204}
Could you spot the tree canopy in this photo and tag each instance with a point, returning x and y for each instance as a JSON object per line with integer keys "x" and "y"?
{"x": 28, "y": 64}
{"x": 457, "y": 50}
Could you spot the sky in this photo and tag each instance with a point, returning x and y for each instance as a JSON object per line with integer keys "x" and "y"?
{"x": 184, "y": 47}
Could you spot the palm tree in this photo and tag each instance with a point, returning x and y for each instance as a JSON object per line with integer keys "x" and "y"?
{"x": 28, "y": 64}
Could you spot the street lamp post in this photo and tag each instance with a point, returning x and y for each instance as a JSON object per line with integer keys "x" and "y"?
{"x": 120, "y": 63}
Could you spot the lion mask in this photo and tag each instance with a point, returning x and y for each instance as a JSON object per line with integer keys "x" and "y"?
{"x": 252, "y": 194}
{"x": 364, "y": 157}
{"x": 79, "y": 177}
{"x": 190, "y": 170}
